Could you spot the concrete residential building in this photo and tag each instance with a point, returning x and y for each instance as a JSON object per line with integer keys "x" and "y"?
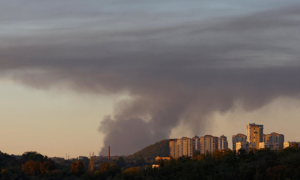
{"x": 238, "y": 138}
{"x": 197, "y": 143}
{"x": 289, "y": 144}
{"x": 174, "y": 146}
{"x": 244, "y": 145}
{"x": 275, "y": 138}
{"x": 271, "y": 145}
{"x": 182, "y": 147}
{"x": 222, "y": 142}
{"x": 263, "y": 145}
{"x": 187, "y": 146}
{"x": 255, "y": 134}
{"x": 208, "y": 144}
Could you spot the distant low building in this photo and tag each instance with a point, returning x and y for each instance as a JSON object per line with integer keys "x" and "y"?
{"x": 155, "y": 166}
{"x": 245, "y": 145}
{"x": 57, "y": 159}
{"x": 162, "y": 158}
{"x": 95, "y": 157}
{"x": 242, "y": 145}
{"x": 82, "y": 158}
{"x": 114, "y": 157}
{"x": 271, "y": 145}
{"x": 289, "y": 144}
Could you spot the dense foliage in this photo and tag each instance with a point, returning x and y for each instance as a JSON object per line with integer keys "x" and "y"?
{"x": 226, "y": 165}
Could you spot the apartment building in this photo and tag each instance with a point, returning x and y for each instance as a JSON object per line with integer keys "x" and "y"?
{"x": 255, "y": 134}
{"x": 222, "y": 142}
{"x": 208, "y": 144}
{"x": 274, "y": 138}
{"x": 182, "y": 147}
{"x": 271, "y": 145}
{"x": 197, "y": 143}
{"x": 244, "y": 145}
{"x": 238, "y": 138}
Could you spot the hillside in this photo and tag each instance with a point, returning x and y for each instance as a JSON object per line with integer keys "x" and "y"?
{"x": 160, "y": 148}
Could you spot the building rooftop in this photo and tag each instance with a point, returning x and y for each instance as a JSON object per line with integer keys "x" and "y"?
{"x": 240, "y": 134}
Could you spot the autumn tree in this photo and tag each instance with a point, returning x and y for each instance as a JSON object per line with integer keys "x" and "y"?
{"x": 31, "y": 167}
{"x": 109, "y": 169}
{"x": 217, "y": 154}
{"x": 77, "y": 168}
{"x": 46, "y": 167}
{"x": 295, "y": 145}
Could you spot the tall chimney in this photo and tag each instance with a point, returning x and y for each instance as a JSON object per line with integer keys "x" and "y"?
{"x": 108, "y": 157}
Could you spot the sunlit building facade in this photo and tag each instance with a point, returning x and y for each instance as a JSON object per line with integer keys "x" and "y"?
{"x": 182, "y": 147}
{"x": 271, "y": 145}
{"x": 238, "y": 138}
{"x": 290, "y": 144}
{"x": 275, "y": 138}
{"x": 208, "y": 144}
{"x": 174, "y": 146}
{"x": 255, "y": 134}
{"x": 245, "y": 145}
{"x": 241, "y": 145}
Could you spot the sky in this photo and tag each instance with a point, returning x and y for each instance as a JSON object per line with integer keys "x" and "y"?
{"x": 79, "y": 76}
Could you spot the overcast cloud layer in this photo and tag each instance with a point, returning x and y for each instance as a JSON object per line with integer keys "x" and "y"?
{"x": 177, "y": 62}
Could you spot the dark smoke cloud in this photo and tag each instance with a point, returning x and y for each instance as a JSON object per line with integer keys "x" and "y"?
{"x": 180, "y": 72}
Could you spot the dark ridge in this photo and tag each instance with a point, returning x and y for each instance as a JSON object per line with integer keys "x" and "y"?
{"x": 160, "y": 148}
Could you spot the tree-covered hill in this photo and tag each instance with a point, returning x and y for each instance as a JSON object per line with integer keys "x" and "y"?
{"x": 160, "y": 148}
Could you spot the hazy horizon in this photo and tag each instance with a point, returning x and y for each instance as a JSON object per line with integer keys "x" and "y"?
{"x": 77, "y": 77}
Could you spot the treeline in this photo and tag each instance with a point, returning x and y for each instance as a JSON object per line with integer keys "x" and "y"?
{"x": 261, "y": 164}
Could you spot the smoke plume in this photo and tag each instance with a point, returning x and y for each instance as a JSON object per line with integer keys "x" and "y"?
{"x": 175, "y": 73}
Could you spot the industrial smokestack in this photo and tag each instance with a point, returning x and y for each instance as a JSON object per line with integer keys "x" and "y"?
{"x": 108, "y": 157}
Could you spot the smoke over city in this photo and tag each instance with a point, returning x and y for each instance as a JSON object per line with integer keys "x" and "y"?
{"x": 173, "y": 72}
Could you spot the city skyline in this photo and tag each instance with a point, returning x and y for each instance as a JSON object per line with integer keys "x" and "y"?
{"x": 77, "y": 78}
{"x": 256, "y": 138}
{"x": 209, "y": 143}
